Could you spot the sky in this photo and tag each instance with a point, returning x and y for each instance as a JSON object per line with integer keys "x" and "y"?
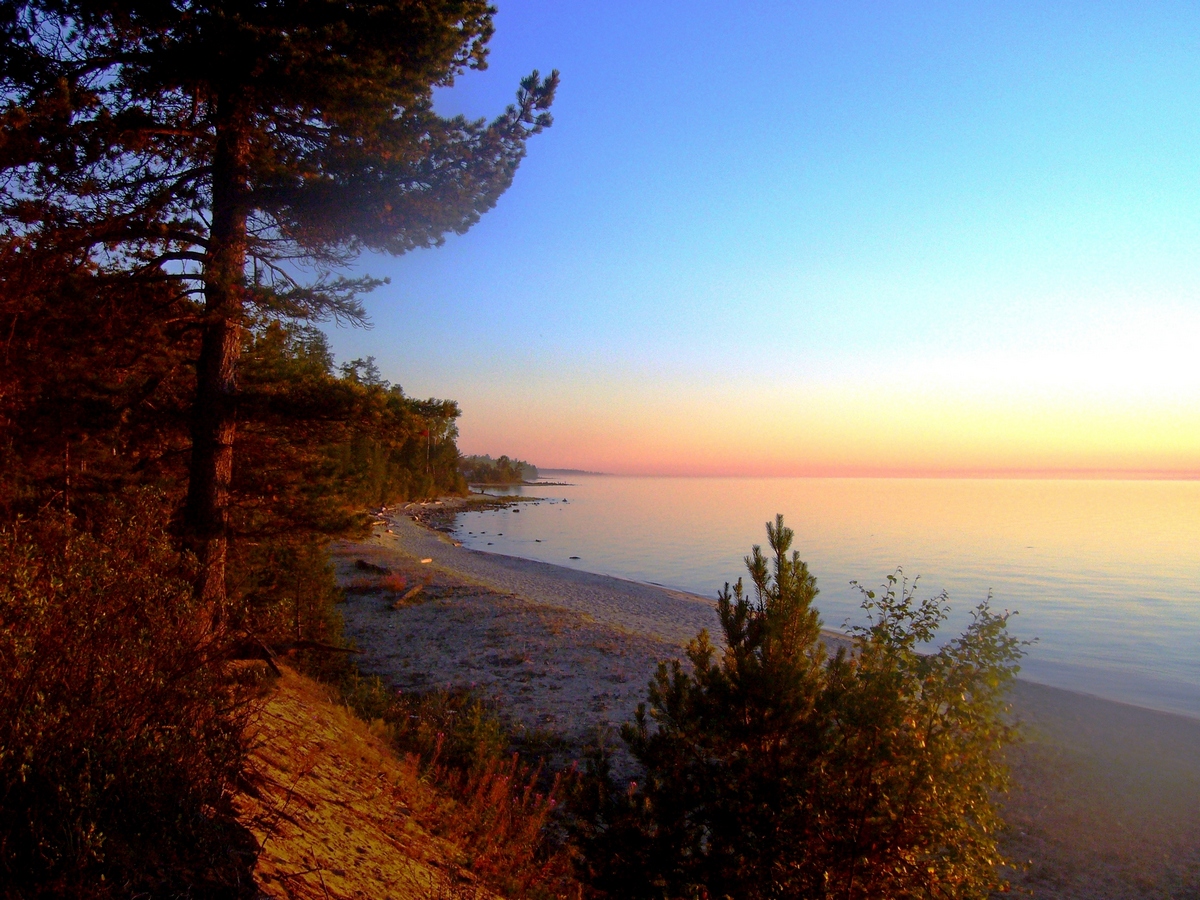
{"x": 835, "y": 238}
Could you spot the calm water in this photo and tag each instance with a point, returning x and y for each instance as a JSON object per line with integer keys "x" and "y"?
{"x": 1105, "y": 574}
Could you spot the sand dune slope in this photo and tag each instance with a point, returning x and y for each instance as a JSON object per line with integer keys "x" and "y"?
{"x": 330, "y": 806}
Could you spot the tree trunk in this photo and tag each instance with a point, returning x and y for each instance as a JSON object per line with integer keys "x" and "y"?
{"x": 213, "y": 413}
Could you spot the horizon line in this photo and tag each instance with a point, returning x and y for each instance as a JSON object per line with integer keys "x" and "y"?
{"x": 916, "y": 474}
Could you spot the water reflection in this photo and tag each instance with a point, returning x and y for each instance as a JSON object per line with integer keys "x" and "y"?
{"x": 1104, "y": 573}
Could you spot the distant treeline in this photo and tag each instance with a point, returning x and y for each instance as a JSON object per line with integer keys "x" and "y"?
{"x": 485, "y": 470}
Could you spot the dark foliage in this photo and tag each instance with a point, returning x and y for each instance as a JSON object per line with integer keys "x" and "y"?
{"x": 238, "y": 154}
{"x": 91, "y": 412}
{"x": 772, "y": 771}
{"x": 115, "y": 114}
{"x": 95, "y": 382}
{"x": 88, "y": 411}
{"x": 119, "y": 740}
{"x": 179, "y": 183}
{"x": 448, "y": 728}
{"x": 318, "y": 448}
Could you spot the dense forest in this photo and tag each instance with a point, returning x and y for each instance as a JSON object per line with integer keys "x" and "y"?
{"x": 103, "y": 637}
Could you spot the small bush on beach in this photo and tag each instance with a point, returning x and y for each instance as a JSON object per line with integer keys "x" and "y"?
{"x": 774, "y": 771}
{"x": 119, "y": 735}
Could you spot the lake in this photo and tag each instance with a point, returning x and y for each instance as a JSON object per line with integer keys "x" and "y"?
{"x": 1104, "y": 574}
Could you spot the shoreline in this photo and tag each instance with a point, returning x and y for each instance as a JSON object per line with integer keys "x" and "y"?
{"x": 1109, "y": 689}
{"x": 438, "y": 516}
{"x": 1105, "y": 799}
{"x": 640, "y": 607}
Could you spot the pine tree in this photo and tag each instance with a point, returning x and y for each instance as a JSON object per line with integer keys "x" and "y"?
{"x": 241, "y": 153}
{"x": 775, "y": 771}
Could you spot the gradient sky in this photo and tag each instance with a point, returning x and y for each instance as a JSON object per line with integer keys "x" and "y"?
{"x": 826, "y": 238}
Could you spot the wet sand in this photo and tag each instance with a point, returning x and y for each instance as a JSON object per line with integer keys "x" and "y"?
{"x": 1106, "y": 797}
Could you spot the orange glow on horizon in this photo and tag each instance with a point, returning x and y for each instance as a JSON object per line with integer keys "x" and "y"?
{"x": 901, "y": 473}
{"x": 838, "y": 432}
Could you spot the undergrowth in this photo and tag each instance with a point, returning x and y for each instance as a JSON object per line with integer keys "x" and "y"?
{"x": 121, "y": 731}
{"x": 119, "y": 736}
{"x": 498, "y": 810}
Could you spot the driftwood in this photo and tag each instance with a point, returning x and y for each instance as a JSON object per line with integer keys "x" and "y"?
{"x": 408, "y": 595}
{"x": 251, "y": 647}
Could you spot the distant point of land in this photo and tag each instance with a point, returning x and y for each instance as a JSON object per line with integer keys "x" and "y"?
{"x": 569, "y": 472}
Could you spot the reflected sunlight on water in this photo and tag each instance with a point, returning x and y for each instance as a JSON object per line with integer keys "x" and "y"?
{"x": 1104, "y": 573}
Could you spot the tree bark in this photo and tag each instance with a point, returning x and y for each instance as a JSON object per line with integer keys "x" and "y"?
{"x": 214, "y": 411}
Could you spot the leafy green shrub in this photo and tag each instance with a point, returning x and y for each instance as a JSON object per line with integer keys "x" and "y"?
{"x": 774, "y": 771}
{"x": 119, "y": 737}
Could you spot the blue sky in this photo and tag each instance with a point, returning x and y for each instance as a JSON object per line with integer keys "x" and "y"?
{"x": 795, "y": 238}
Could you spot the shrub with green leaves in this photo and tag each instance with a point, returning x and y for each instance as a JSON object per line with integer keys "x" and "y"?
{"x": 773, "y": 770}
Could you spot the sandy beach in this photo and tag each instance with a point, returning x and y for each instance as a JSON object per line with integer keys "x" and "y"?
{"x": 1106, "y": 797}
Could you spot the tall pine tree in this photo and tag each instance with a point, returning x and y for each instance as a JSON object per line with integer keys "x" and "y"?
{"x": 241, "y": 153}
